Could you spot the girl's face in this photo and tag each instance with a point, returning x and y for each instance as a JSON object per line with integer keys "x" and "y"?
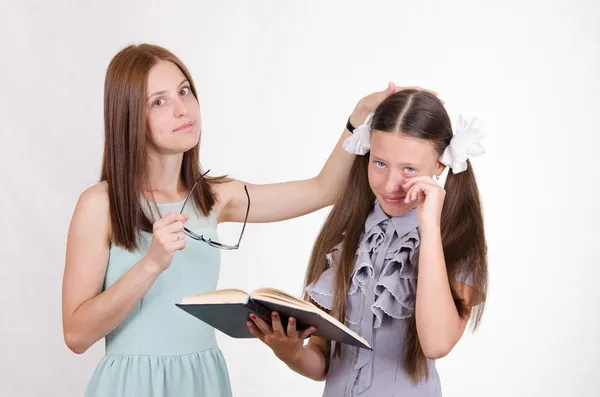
{"x": 394, "y": 158}
{"x": 172, "y": 111}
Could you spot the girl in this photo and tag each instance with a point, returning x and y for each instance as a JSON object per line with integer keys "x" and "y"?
{"x": 400, "y": 259}
{"x": 135, "y": 247}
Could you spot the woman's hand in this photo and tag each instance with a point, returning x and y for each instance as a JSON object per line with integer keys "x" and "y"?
{"x": 370, "y": 103}
{"x": 167, "y": 238}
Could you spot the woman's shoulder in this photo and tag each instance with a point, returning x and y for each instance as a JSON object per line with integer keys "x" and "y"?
{"x": 93, "y": 205}
{"x": 223, "y": 185}
{"x": 224, "y": 188}
{"x": 95, "y": 197}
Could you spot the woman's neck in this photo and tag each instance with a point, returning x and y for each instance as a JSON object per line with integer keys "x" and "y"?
{"x": 164, "y": 178}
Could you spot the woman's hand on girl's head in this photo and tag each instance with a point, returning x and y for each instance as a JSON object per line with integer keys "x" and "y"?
{"x": 286, "y": 344}
{"x": 369, "y": 103}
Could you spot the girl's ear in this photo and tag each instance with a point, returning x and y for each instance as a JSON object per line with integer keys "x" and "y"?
{"x": 439, "y": 168}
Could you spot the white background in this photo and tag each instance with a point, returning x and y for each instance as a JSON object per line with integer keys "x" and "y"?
{"x": 277, "y": 81}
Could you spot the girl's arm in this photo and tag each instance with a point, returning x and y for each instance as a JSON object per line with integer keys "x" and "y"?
{"x": 439, "y": 325}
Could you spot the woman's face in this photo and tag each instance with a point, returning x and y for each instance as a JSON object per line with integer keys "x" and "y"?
{"x": 172, "y": 111}
{"x": 394, "y": 158}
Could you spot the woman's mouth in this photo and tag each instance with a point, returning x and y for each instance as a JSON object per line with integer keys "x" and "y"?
{"x": 186, "y": 127}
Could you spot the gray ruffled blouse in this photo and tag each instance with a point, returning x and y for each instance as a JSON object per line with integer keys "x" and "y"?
{"x": 381, "y": 298}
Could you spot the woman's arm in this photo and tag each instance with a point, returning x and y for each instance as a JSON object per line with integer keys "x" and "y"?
{"x": 286, "y": 200}
{"x": 281, "y": 201}
{"x": 88, "y": 312}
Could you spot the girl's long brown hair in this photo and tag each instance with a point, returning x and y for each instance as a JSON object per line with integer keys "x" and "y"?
{"x": 420, "y": 115}
{"x": 124, "y": 160}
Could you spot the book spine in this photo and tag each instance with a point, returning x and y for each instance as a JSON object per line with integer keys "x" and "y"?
{"x": 259, "y": 310}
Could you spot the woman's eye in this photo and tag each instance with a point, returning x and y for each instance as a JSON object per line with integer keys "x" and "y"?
{"x": 184, "y": 91}
{"x": 158, "y": 102}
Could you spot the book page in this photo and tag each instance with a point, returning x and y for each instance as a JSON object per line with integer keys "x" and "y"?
{"x": 222, "y": 296}
{"x": 275, "y": 295}
{"x": 338, "y": 324}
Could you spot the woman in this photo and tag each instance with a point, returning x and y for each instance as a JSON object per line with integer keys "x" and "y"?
{"x": 134, "y": 249}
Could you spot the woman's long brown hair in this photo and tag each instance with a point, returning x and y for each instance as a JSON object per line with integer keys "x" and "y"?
{"x": 124, "y": 160}
{"x": 420, "y": 115}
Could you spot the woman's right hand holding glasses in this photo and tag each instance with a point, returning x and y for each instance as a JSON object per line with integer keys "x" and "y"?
{"x": 167, "y": 237}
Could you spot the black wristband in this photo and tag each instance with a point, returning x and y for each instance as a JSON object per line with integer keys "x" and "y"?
{"x": 349, "y": 126}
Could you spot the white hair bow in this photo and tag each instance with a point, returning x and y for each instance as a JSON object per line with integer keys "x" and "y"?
{"x": 360, "y": 140}
{"x": 464, "y": 144}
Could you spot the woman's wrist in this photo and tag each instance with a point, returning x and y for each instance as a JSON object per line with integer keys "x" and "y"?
{"x": 358, "y": 116}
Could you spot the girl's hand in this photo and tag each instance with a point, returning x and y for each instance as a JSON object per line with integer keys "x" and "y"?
{"x": 286, "y": 344}
{"x": 430, "y": 197}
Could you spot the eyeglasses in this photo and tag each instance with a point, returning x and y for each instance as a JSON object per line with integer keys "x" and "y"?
{"x": 209, "y": 241}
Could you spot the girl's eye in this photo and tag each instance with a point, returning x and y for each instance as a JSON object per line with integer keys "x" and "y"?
{"x": 410, "y": 170}
{"x": 379, "y": 164}
{"x": 158, "y": 102}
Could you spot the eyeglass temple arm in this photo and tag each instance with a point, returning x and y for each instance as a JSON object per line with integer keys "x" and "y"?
{"x": 191, "y": 190}
{"x": 247, "y": 212}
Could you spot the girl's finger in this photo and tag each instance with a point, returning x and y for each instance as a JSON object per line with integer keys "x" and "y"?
{"x": 418, "y": 189}
{"x": 307, "y": 332}
{"x": 415, "y": 193}
{"x": 411, "y": 181}
{"x": 261, "y": 324}
{"x": 291, "y": 326}
{"x": 408, "y": 194}
{"x": 276, "y": 323}
{"x": 255, "y": 331}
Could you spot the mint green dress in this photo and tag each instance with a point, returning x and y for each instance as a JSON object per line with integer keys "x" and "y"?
{"x": 160, "y": 350}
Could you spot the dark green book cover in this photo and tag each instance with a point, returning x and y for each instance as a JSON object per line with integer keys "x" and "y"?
{"x": 231, "y": 317}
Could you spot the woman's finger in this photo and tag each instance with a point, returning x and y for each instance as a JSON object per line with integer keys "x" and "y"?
{"x": 174, "y": 227}
{"x": 391, "y": 88}
{"x": 170, "y": 218}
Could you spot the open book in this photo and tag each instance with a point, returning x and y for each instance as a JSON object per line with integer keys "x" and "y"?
{"x": 228, "y": 310}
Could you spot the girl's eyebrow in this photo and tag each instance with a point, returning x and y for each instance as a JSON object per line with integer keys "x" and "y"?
{"x": 402, "y": 164}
